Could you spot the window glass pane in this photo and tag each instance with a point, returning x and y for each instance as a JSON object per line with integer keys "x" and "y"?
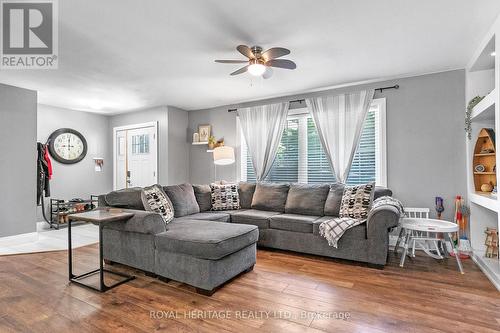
{"x": 363, "y": 164}
{"x": 140, "y": 144}
{"x": 318, "y": 167}
{"x": 286, "y": 164}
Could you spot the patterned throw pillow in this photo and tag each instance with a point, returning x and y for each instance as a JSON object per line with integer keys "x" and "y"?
{"x": 225, "y": 197}
{"x": 357, "y": 201}
{"x": 155, "y": 200}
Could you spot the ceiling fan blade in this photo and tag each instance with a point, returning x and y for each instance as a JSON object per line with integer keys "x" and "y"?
{"x": 268, "y": 73}
{"x": 231, "y": 61}
{"x": 275, "y": 52}
{"x": 241, "y": 70}
{"x": 281, "y": 63}
{"x": 246, "y": 51}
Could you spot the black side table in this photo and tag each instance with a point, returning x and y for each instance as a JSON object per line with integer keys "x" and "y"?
{"x": 98, "y": 217}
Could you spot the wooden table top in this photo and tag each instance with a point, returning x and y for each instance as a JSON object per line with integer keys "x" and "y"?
{"x": 101, "y": 216}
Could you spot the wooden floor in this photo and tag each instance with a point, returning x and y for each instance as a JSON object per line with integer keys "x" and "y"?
{"x": 286, "y": 292}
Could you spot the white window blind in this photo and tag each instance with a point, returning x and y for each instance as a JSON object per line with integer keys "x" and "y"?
{"x": 301, "y": 157}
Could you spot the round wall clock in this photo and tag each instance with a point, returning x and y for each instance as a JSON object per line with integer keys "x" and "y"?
{"x": 67, "y": 146}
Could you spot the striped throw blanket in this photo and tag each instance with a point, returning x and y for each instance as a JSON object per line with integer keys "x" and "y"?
{"x": 335, "y": 228}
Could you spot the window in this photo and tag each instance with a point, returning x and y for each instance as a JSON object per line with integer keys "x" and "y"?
{"x": 140, "y": 144}
{"x": 301, "y": 158}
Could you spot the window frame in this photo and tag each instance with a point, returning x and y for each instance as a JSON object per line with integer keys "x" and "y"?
{"x": 302, "y": 114}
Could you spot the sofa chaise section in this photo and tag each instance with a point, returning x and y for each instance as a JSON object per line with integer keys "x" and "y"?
{"x": 205, "y": 254}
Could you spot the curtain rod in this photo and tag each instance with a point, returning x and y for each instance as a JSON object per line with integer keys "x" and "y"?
{"x": 303, "y": 100}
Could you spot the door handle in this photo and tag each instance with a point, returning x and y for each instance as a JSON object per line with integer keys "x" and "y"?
{"x": 128, "y": 178}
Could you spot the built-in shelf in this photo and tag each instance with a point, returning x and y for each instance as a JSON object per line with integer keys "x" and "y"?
{"x": 200, "y": 143}
{"x": 485, "y": 199}
{"x": 485, "y": 173}
{"x": 485, "y": 154}
{"x": 485, "y": 110}
{"x": 210, "y": 150}
{"x": 489, "y": 266}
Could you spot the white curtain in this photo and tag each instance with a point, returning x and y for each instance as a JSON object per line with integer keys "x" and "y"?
{"x": 262, "y": 127}
{"x": 339, "y": 121}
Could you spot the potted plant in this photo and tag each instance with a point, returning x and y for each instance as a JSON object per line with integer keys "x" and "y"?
{"x": 211, "y": 142}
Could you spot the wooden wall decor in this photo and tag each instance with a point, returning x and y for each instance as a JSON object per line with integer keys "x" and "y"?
{"x": 485, "y": 155}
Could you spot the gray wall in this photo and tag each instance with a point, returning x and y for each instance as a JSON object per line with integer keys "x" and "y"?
{"x": 78, "y": 180}
{"x": 178, "y": 146}
{"x": 17, "y": 160}
{"x": 173, "y": 150}
{"x": 425, "y": 138}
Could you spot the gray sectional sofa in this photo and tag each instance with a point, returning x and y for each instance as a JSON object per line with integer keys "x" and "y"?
{"x": 206, "y": 248}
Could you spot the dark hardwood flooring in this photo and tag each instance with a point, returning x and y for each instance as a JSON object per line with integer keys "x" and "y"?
{"x": 286, "y": 292}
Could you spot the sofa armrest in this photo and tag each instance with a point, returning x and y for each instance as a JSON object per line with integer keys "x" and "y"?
{"x": 380, "y": 220}
{"x": 142, "y": 222}
{"x": 101, "y": 201}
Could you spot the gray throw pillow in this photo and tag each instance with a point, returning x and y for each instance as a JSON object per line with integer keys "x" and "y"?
{"x": 183, "y": 199}
{"x": 270, "y": 197}
{"x": 334, "y": 199}
{"x": 246, "y": 191}
{"x": 307, "y": 199}
{"x": 357, "y": 201}
{"x": 129, "y": 198}
{"x": 203, "y": 195}
{"x": 155, "y": 200}
{"x": 225, "y": 197}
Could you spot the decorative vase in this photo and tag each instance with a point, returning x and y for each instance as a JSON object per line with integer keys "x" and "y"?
{"x": 196, "y": 137}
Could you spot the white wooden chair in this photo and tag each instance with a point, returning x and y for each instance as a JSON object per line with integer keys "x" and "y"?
{"x": 422, "y": 240}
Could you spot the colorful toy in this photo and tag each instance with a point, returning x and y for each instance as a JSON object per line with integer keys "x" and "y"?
{"x": 439, "y": 207}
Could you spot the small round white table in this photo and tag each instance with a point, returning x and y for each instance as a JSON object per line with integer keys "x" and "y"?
{"x": 414, "y": 226}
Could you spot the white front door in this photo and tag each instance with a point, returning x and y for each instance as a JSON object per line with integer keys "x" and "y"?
{"x": 136, "y": 156}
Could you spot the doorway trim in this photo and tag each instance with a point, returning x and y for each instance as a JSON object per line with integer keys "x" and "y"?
{"x": 130, "y": 127}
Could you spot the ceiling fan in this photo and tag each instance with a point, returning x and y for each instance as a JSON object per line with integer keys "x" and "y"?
{"x": 260, "y": 63}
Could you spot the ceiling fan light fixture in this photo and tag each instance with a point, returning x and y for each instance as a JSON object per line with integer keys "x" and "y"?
{"x": 256, "y": 69}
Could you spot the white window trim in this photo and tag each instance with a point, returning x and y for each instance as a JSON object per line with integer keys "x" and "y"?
{"x": 303, "y": 113}
{"x": 381, "y": 143}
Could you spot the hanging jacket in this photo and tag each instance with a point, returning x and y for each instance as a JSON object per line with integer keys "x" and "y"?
{"x": 48, "y": 161}
{"x": 42, "y": 173}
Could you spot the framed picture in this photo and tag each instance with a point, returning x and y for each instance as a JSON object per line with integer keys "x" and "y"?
{"x": 204, "y": 132}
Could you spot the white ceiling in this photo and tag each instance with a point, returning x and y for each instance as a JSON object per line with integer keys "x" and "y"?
{"x": 122, "y": 55}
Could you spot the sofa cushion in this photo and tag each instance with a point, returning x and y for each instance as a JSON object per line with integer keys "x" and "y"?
{"x": 225, "y": 197}
{"x": 129, "y": 198}
{"x": 203, "y": 196}
{"x": 155, "y": 200}
{"x": 382, "y": 192}
{"x": 256, "y": 217}
{"x": 307, "y": 199}
{"x": 205, "y": 239}
{"x": 357, "y": 201}
{"x": 246, "y": 191}
{"x": 293, "y": 222}
{"x": 207, "y": 216}
{"x": 334, "y": 199}
{"x": 270, "y": 196}
{"x": 183, "y": 199}
{"x": 357, "y": 232}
